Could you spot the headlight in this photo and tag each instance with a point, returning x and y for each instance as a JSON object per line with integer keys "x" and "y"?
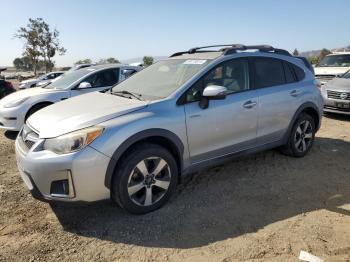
{"x": 16, "y": 102}
{"x": 74, "y": 141}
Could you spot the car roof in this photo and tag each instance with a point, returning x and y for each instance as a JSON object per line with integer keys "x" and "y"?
{"x": 207, "y": 52}
{"x": 105, "y": 66}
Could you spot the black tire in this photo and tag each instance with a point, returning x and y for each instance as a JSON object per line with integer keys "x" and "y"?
{"x": 35, "y": 109}
{"x": 125, "y": 172}
{"x": 292, "y": 148}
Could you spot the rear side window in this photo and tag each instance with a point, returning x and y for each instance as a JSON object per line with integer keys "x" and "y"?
{"x": 268, "y": 72}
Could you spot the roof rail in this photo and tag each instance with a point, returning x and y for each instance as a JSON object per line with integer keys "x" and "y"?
{"x": 233, "y": 48}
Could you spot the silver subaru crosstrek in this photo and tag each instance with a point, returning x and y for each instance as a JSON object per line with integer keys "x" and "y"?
{"x": 193, "y": 110}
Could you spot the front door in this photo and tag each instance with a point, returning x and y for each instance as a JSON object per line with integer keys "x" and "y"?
{"x": 228, "y": 125}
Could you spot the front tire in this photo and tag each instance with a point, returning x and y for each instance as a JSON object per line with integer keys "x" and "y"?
{"x": 145, "y": 179}
{"x": 301, "y": 137}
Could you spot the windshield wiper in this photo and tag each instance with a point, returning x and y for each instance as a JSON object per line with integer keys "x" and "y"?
{"x": 124, "y": 92}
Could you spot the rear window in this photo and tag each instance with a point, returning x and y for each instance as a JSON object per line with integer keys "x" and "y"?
{"x": 268, "y": 72}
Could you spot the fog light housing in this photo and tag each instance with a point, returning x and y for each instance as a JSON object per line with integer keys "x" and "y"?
{"x": 63, "y": 188}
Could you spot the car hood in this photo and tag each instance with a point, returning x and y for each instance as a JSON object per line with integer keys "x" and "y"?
{"x": 330, "y": 70}
{"x": 81, "y": 112}
{"x": 341, "y": 84}
{"x": 29, "y": 81}
{"x": 26, "y": 93}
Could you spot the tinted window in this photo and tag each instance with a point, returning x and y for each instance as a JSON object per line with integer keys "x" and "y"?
{"x": 233, "y": 74}
{"x": 268, "y": 72}
{"x": 128, "y": 72}
{"x": 299, "y": 72}
{"x": 289, "y": 72}
{"x": 103, "y": 78}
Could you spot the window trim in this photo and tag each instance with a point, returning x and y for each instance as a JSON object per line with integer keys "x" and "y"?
{"x": 182, "y": 98}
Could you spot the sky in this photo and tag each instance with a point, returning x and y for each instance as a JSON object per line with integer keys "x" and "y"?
{"x": 98, "y": 29}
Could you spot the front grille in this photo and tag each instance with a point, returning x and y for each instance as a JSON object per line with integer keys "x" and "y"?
{"x": 338, "y": 95}
{"x": 29, "y": 137}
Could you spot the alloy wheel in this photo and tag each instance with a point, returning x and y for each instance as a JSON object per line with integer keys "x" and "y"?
{"x": 149, "y": 181}
{"x": 303, "y": 136}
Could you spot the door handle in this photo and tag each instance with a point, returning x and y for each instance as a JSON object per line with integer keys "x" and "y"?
{"x": 249, "y": 104}
{"x": 295, "y": 93}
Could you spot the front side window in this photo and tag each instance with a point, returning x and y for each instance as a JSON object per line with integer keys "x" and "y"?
{"x": 103, "y": 78}
{"x": 233, "y": 74}
{"x": 268, "y": 72}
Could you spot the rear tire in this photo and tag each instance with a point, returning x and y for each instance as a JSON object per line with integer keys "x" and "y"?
{"x": 145, "y": 179}
{"x": 301, "y": 137}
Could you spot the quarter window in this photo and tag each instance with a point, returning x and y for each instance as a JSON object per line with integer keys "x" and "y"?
{"x": 233, "y": 74}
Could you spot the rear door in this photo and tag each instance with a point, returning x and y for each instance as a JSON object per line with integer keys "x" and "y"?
{"x": 99, "y": 81}
{"x": 279, "y": 95}
{"x": 228, "y": 125}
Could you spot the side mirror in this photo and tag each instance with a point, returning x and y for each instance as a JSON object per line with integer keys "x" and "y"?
{"x": 84, "y": 85}
{"x": 212, "y": 92}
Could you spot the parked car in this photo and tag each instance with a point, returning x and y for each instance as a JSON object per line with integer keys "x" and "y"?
{"x": 17, "y": 107}
{"x": 331, "y": 66}
{"x": 336, "y": 95}
{"x": 72, "y": 69}
{"x": 42, "y": 80}
{"x": 6, "y": 88}
{"x": 193, "y": 110}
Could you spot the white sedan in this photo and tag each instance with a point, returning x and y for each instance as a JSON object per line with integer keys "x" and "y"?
{"x": 44, "y": 79}
{"x": 17, "y": 107}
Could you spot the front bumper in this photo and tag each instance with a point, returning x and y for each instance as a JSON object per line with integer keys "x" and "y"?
{"x": 11, "y": 118}
{"x": 332, "y": 106}
{"x": 84, "y": 170}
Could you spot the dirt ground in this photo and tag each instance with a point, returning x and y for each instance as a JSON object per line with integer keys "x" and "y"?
{"x": 264, "y": 207}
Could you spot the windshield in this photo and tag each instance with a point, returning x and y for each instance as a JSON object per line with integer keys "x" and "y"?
{"x": 336, "y": 60}
{"x": 67, "y": 79}
{"x": 161, "y": 79}
{"x": 346, "y": 75}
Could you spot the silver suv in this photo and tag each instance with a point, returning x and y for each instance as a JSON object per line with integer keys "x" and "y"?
{"x": 191, "y": 111}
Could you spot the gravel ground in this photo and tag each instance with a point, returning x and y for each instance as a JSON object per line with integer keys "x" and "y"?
{"x": 263, "y": 207}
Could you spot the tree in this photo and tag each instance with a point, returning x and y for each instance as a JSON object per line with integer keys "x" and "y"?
{"x": 296, "y": 52}
{"x": 40, "y": 41}
{"x": 83, "y": 61}
{"x": 23, "y": 63}
{"x": 148, "y": 60}
{"x": 323, "y": 53}
{"x": 314, "y": 60}
{"x": 110, "y": 60}
{"x": 49, "y": 44}
{"x": 30, "y": 36}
